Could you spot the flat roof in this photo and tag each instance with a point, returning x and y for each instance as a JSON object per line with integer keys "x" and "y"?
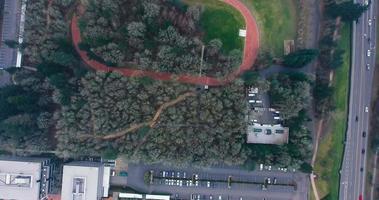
{"x": 18, "y": 179}
{"x": 267, "y": 134}
{"x": 82, "y": 181}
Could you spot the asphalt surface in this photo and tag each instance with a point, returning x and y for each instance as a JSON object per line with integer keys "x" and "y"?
{"x": 352, "y": 182}
{"x": 10, "y": 29}
{"x": 245, "y": 184}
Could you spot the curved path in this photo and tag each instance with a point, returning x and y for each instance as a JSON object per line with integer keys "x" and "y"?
{"x": 249, "y": 55}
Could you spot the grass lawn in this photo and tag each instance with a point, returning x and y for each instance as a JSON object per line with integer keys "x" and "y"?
{"x": 329, "y": 157}
{"x": 222, "y": 21}
{"x": 277, "y": 22}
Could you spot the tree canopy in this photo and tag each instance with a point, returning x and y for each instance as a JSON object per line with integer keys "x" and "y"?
{"x": 347, "y": 10}
{"x": 300, "y": 58}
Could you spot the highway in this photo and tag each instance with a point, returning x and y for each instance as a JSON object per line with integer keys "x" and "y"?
{"x": 352, "y": 182}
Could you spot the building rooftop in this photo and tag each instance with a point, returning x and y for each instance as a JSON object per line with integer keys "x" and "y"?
{"x": 21, "y": 177}
{"x": 267, "y": 134}
{"x": 85, "y": 181}
{"x": 263, "y": 122}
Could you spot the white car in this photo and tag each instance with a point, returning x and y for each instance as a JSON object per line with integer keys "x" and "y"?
{"x": 369, "y": 22}
{"x": 366, "y": 2}
{"x": 368, "y": 53}
{"x": 366, "y": 109}
{"x": 368, "y": 66}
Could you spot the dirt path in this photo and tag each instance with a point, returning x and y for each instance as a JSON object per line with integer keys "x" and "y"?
{"x": 312, "y": 176}
{"x": 249, "y": 54}
{"x": 150, "y": 123}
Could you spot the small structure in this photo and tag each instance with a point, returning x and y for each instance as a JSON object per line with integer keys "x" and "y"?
{"x": 289, "y": 46}
{"x": 242, "y": 33}
{"x": 263, "y": 123}
{"x": 24, "y": 178}
{"x": 83, "y": 180}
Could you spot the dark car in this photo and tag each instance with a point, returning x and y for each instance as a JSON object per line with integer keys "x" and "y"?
{"x": 361, "y": 169}
{"x": 363, "y": 151}
{"x": 364, "y": 134}
{"x": 356, "y": 118}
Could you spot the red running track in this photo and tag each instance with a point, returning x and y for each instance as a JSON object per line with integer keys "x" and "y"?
{"x": 249, "y": 55}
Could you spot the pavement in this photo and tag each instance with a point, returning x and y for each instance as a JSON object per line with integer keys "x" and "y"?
{"x": 353, "y": 171}
{"x": 10, "y": 29}
{"x": 250, "y": 53}
{"x": 246, "y": 184}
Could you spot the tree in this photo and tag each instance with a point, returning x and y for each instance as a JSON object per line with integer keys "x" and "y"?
{"x": 289, "y": 94}
{"x": 17, "y": 126}
{"x": 347, "y": 10}
{"x": 12, "y": 44}
{"x": 300, "y": 58}
{"x": 136, "y": 29}
{"x": 214, "y": 47}
{"x": 306, "y": 168}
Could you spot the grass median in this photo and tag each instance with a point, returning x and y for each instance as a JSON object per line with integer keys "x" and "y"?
{"x": 330, "y": 152}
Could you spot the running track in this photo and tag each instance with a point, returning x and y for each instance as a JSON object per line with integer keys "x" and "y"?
{"x": 249, "y": 55}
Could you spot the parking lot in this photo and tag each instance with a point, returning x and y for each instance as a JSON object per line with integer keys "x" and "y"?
{"x": 219, "y": 183}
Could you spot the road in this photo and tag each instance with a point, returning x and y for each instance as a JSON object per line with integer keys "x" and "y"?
{"x": 289, "y": 185}
{"x": 352, "y": 182}
{"x": 9, "y": 31}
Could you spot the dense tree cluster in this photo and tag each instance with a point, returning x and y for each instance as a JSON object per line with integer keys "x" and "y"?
{"x": 130, "y": 33}
{"x": 44, "y": 24}
{"x": 205, "y": 129}
{"x": 26, "y": 112}
{"x": 66, "y": 108}
{"x": 290, "y": 93}
{"x": 347, "y": 10}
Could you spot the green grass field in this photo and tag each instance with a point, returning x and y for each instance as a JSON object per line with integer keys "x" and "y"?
{"x": 277, "y": 22}
{"x": 330, "y": 152}
{"x": 222, "y": 21}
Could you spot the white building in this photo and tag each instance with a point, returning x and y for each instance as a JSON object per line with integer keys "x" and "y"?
{"x": 24, "y": 178}
{"x": 85, "y": 181}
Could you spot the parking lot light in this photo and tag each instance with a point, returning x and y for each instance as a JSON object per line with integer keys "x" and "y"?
{"x": 229, "y": 182}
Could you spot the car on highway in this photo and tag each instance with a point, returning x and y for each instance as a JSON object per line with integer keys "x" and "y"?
{"x": 369, "y": 22}
{"x": 364, "y": 134}
{"x": 366, "y": 109}
{"x": 356, "y": 118}
{"x": 361, "y": 169}
{"x": 368, "y": 66}
{"x": 368, "y": 53}
{"x": 363, "y": 151}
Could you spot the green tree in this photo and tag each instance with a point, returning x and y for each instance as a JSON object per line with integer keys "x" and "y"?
{"x": 306, "y": 168}
{"x": 347, "y": 10}
{"x": 300, "y": 58}
{"x": 250, "y": 77}
{"x": 289, "y": 94}
{"x": 17, "y": 126}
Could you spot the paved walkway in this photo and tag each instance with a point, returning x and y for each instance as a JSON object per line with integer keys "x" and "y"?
{"x": 249, "y": 55}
